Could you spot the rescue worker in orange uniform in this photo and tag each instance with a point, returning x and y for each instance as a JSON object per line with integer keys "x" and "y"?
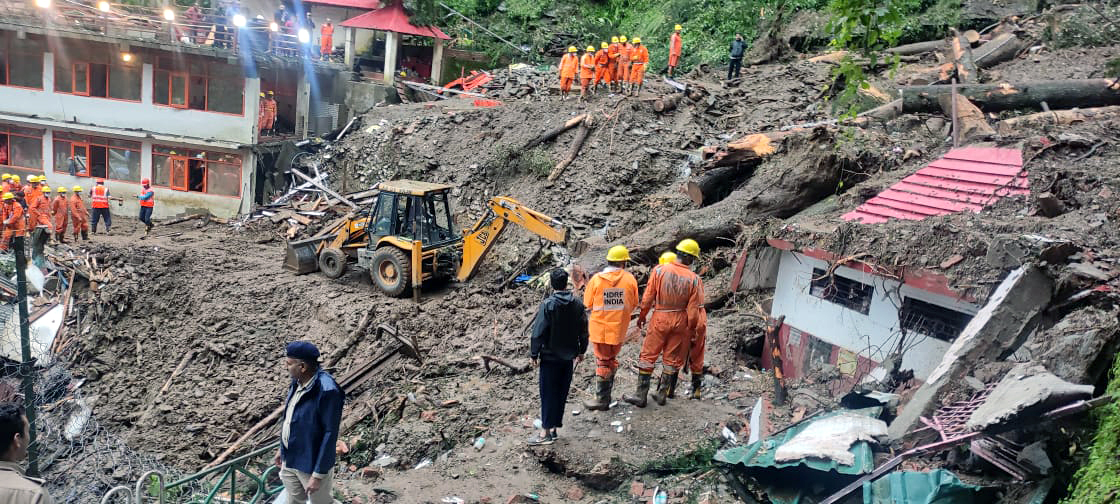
{"x": 147, "y": 199}
{"x": 569, "y": 64}
{"x": 5, "y": 183}
{"x": 326, "y": 40}
{"x": 60, "y": 209}
{"x": 611, "y": 296}
{"x": 675, "y": 294}
{"x": 100, "y": 203}
{"x": 602, "y": 60}
{"x": 612, "y": 63}
{"x": 623, "y": 61}
{"x": 639, "y": 57}
{"x": 695, "y": 360}
{"x": 78, "y": 214}
{"x": 586, "y": 72}
{"x": 13, "y": 221}
{"x": 674, "y": 49}
{"x": 38, "y": 205}
{"x": 262, "y": 115}
{"x": 270, "y": 112}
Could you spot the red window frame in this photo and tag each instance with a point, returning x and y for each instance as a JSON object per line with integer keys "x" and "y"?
{"x": 88, "y": 142}
{"x": 160, "y": 72}
{"x": 179, "y": 164}
{"x": 6, "y": 45}
{"x": 6, "y": 131}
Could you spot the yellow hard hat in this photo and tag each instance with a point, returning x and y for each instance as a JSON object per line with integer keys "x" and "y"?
{"x": 5, "y": 176}
{"x": 618, "y": 253}
{"x": 590, "y": 48}
{"x": 614, "y": 40}
{"x": 77, "y": 188}
{"x": 15, "y": 178}
{"x": 622, "y": 38}
{"x": 637, "y": 40}
{"x": 33, "y": 179}
{"x": 604, "y": 45}
{"x": 690, "y": 247}
{"x": 61, "y": 189}
{"x": 7, "y": 196}
{"x": 262, "y": 95}
{"x": 677, "y": 28}
{"x": 572, "y": 49}
{"x": 46, "y": 189}
{"x": 666, "y": 258}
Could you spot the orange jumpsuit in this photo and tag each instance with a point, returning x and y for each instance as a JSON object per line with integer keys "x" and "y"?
{"x": 326, "y": 40}
{"x": 675, "y": 294}
{"x": 79, "y": 214}
{"x": 696, "y": 348}
{"x": 39, "y": 212}
{"x": 624, "y": 62}
{"x": 262, "y": 114}
{"x": 59, "y": 207}
{"x": 611, "y": 296}
{"x": 270, "y": 112}
{"x": 13, "y": 223}
{"x": 601, "y": 62}
{"x": 639, "y": 56}
{"x": 568, "y": 66}
{"x": 586, "y": 70}
{"x": 612, "y": 63}
{"x": 674, "y": 49}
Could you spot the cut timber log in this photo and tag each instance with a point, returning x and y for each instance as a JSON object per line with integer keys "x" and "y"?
{"x": 883, "y": 113}
{"x": 585, "y": 128}
{"x": 715, "y": 184}
{"x": 549, "y": 135}
{"x": 750, "y": 148}
{"x": 917, "y": 47}
{"x": 1060, "y": 94}
{"x": 962, "y": 58}
{"x": 1002, "y": 48}
{"x": 970, "y": 120}
{"x": 666, "y": 103}
{"x": 1056, "y": 118}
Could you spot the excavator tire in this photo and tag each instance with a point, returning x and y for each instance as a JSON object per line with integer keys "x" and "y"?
{"x": 391, "y": 271}
{"x": 332, "y": 262}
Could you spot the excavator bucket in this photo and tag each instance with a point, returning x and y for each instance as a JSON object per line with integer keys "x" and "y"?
{"x": 303, "y": 256}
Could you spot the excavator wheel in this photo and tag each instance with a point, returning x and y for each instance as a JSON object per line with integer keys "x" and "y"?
{"x": 332, "y": 262}
{"x": 391, "y": 270}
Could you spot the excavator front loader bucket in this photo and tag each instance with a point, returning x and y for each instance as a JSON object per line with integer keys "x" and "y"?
{"x": 303, "y": 256}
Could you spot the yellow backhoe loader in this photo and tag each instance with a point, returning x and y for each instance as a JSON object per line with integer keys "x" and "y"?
{"x": 406, "y": 238}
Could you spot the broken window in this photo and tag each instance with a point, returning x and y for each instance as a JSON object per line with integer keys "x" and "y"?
{"x": 196, "y": 171}
{"x": 97, "y": 157}
{"x": 851, "y": 294}
{"x": 932, "y": 320}
{"x": 199, "y": 85}
{"x": 21, "y": 148}
{"x": 21, "y": 63}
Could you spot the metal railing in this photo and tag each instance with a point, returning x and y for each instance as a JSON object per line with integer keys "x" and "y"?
{"x": 205, "y": 28}
{"x": 192, "y": 489}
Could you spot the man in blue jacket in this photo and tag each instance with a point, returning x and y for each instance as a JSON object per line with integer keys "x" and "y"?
{"x": 559, "y": 339}
{"x": 311, "y": 418}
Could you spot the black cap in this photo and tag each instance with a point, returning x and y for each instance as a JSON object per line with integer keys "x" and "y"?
{"x": 302, "y": 350}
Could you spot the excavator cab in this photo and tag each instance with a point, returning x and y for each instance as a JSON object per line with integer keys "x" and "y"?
{"x": 411, "y": 236}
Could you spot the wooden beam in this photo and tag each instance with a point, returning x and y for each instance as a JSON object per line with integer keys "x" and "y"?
{"x": 326, "y": 189}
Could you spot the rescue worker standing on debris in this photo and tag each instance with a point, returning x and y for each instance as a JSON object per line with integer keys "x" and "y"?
{"x": 611, "y": 296}
{"x": 270, "y": 111}
{"x": 13, "y": 221}
{"x": 40, "y": 211}
{"x": 99, "y": 196}
{"x": 612, "y": 64}
{"x": 15, "y": 437}
{"x": 674, "y": 49}
{"x": 558, "y": 343}
{"x": 675, "y": 294}
{"x": 623, "y": 62}
{"x": 78, "y": 214}
{"x": 569, "y": 64}
{"x": 60, "y": 210}
{"x": 601, "y": 63}
{"x": 308, "y": 436}
{"x": 147, "y": 199}
{"x": 639, "y": 57}
{"x": 695, "y": 359}
{"x": 586, "y": 72}
{"x": 262, "y": 115}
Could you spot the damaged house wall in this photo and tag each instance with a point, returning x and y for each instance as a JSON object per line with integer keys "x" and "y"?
{"x": 870, "y": 330}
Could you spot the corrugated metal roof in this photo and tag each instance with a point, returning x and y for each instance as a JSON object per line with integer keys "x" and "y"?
{"x": 761, "y": 453}
{"x": 968, "y": 178}
{"x": 934, "y": 487}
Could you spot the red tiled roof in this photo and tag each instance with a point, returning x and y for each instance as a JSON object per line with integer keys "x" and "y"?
{"x": 350, "y": 4}
{"x": 968, "y": 178}
{"x": 392, "y": 18}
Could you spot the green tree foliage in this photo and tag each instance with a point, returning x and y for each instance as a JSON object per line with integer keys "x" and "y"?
{"x": 1099, "y": 479}
{"x": 864, "y": 29}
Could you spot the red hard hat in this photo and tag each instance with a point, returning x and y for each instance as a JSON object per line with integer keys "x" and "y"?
{"x": 145, "y": 181}
{"x": 100, "y": 181}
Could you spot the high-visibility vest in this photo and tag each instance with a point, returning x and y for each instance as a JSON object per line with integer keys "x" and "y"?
{"x": 100, "y": 197}
{"x": 150, "y": 202}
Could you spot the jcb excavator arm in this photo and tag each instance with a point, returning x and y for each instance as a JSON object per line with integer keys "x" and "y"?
{"x": 478, "y": 240}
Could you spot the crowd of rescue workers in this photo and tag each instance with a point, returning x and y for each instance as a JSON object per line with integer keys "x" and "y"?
{"x": 30, "y": 208}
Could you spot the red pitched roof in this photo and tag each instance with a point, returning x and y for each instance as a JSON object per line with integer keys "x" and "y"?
{"x": 392, "y": 18}
{"x": 350, "y": 4}
{"x": 967, "y": 178}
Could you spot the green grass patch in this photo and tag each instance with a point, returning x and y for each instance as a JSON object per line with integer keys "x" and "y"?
{"x": 697, "y": 459}
{"x": 1098, "y": 481}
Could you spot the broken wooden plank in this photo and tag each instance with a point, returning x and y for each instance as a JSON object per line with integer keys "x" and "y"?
{"x": 325, "y": 189}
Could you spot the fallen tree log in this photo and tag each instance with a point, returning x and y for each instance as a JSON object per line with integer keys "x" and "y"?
{"x": 1002, "y": 48}
{"x": 962, "y": 58}
{"x": 1056, "y": 118}
{"x": 553, "y": 133}
{"x": 714, "y": 185}
{"x": 971, "y": 122}
{"x": 884, "y": 112}
{"x": 666, "y": 103}
{"x": 747, "y": 149}
{"x": 918, "y": 47}
{"x": 586, "y": 125}
{"x": 1060, "y": 94}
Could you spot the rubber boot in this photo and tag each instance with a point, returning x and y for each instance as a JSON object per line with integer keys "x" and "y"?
{"x": 673, "y": 387}
{"x": 666, "y": 382}
{"x": 639, "y": 397}
{"x": 85, "y": 235}
{"x": 602, "y": 401}
{"x": 697, "y": 383}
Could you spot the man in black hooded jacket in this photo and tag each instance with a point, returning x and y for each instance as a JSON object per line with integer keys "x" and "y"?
{"x": 559, "y": 342}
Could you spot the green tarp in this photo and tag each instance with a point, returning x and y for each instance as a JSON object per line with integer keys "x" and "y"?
{"x": 934, "y": 487}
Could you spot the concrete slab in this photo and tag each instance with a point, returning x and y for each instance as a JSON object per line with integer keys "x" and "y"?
{"x": 998, "y": 327}
{"x": 1025, "y": 389}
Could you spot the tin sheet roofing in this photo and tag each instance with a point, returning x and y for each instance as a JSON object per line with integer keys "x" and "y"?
{"x": 761, "y": 453}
